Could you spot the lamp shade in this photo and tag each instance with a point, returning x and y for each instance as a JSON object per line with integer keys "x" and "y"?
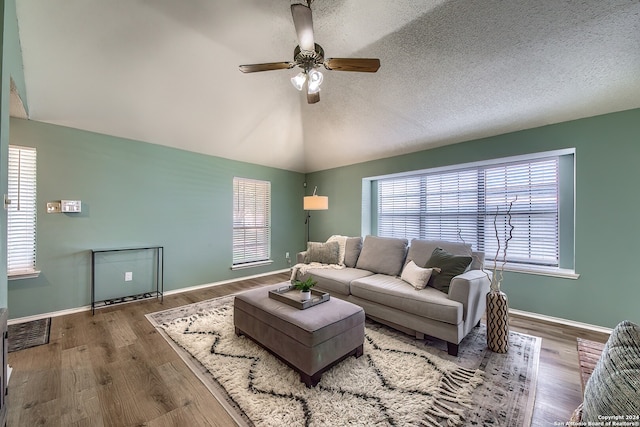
{"x": 316, "y": 203}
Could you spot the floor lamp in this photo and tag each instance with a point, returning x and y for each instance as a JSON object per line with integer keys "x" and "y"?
{"x": 314, "y": 203}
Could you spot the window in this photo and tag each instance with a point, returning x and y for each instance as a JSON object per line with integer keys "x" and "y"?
{"x": 470, "y": 202}
{"x": 21, "y": 213}
{"x": 251, "y": 222}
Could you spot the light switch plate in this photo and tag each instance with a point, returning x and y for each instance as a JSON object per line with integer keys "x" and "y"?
{"x": 53, "y": 207}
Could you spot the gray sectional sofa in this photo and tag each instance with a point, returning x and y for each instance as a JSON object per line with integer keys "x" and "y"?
{"x": 385, "y": 276}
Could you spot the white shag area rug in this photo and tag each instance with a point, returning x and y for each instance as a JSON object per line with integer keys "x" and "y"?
{"x": 398, "y": 381}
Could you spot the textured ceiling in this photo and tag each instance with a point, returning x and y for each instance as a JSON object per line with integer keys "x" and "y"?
{"x": 166, "y": 72}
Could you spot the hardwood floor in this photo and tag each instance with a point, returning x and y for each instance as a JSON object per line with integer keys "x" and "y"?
{"x": 559, "y": 389}
{"x": 114, "y": 369}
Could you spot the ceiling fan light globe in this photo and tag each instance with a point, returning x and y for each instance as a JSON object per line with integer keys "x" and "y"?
{"x": 313, "y": 89}
{"x": 298, "y": 80}
{"x": 315, "y": 80}
{"x": 315, "y": 77}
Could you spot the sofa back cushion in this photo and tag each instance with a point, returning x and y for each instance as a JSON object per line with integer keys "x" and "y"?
{"x": 383, "y": 255}
{"x": 421, "y": 250}
{"x": 352, "y": 251}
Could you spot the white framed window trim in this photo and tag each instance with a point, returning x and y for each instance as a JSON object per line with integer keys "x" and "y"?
{"x": 251, "y": 223}
{"x": 452, "y": 198}
{"x": 22, "y": 213}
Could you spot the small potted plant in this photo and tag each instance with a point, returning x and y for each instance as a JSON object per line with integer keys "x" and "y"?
{"x": 305, "y": 288}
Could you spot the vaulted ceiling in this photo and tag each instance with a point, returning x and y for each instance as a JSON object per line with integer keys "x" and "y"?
{"x": 166, "y": 72}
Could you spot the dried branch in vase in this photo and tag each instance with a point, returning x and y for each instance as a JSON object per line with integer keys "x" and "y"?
{"x": 496, "y": 280}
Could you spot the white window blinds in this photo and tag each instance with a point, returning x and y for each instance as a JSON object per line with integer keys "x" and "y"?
{"x": 447, "y": 205}
{"x": 251, "y": 221}
{"x": 21, "y": 212}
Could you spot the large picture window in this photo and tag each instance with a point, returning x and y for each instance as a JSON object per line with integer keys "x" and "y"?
{"x": 251, "y": 222}
{"x": 21, "y": 213}
{"x": 470, "y": 202}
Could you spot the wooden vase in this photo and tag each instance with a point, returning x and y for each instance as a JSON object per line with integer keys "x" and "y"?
{"x": 497, "y": 321}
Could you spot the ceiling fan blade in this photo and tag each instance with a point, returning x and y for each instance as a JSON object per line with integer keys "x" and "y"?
{"x": 312, "y": 98}
{"x": 363, "y": 65}
{"x": 252, "y": 68}
{"x": 304, "y": 26}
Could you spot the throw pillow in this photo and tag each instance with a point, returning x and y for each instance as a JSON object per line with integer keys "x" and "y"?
{"x": 383, "y": 255}
{"x": 342, "y": 241}
{"x": 416, "y": 276}
{"x": 450, "y": 266}
{"x": 325, "y": 253}
{"x": 352, "y": 251}
{"x": 613, "y": 386}
{"x": 421, "y": 250}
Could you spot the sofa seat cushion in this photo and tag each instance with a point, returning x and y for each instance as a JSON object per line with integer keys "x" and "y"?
{"x": 335, "y": 281}
{"x": 396, "y": 293}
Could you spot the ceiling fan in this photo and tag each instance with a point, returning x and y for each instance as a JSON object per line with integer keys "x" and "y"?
{"x": 309, "y": 56}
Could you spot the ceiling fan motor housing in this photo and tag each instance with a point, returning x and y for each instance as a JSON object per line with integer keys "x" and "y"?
{"x": 307, "y": 59}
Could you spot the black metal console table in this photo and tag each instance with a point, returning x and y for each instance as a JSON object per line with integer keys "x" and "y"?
{"x": 159, "y": 277}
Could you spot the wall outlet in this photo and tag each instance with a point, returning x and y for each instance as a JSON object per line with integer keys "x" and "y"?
{"x": 286, "y": 255}
{"x": 128, "y": 276}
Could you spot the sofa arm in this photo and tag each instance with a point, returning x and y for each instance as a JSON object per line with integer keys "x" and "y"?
{"x": 300, "y": 257}
{"x": 470, "y": 289}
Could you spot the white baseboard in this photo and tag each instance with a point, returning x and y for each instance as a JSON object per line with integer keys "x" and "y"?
{"x": 172, "y": 292}
{"x": 561, "y": 321}
{"x": 45, "y": 315}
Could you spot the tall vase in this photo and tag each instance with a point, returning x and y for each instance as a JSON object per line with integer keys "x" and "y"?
{"x": 497, "y": 321}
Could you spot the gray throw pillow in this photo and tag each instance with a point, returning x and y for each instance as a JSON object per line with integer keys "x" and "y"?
{"x": 383, "y": 255}
{"x": 614, "y": 386}
{"x": 352, "y": 251}
{"x": 450, "y": 266}
{"x": 325, "y": 253}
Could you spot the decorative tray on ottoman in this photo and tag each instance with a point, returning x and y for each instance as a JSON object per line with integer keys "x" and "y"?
{"x": 290, "y": 295}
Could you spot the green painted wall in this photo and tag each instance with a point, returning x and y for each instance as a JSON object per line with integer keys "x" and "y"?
{"x": 10, "y": 68}
{"x": 607, "y": 206}
{"x": 4, "y": 141}
{"x": 13, "y": 51}
{"x": 133, "y": 194}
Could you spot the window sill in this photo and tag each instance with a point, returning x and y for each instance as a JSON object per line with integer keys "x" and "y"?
{"x": 562, "y": 273}
{"x": 251, "y": 264}
{"x": 25, "y": 274}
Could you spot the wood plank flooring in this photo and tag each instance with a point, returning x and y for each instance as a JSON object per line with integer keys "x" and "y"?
{"x": 114, "y": 369}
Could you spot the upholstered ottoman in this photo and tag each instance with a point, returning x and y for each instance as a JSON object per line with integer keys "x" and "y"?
{"x": 310, "y": 341}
